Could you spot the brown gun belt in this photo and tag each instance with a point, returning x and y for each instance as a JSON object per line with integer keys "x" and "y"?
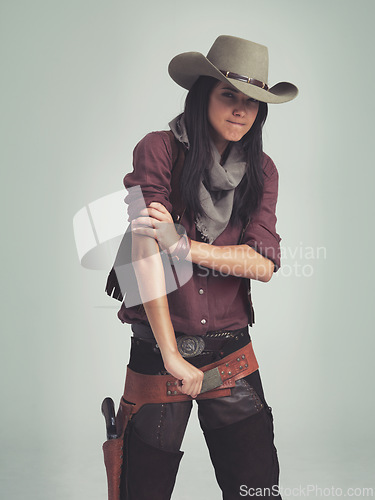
{"x": 141, "y": 389}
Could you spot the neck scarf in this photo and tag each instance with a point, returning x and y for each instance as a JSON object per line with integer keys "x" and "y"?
{"x": 217, "y": 202}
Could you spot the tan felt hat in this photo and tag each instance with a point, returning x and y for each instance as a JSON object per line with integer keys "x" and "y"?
{"x": 241, "y": 63}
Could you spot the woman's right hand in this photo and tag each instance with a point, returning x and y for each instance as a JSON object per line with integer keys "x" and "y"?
{"x": 191, "y": 377}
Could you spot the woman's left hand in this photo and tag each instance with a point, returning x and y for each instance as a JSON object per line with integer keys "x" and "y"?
{"x": 156, "y": 222}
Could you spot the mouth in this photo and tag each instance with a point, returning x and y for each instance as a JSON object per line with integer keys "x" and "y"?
{"x": 236, "y": 123}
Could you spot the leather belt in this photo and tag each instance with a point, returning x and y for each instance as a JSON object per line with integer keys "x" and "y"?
{"x": 219, "y": 377}
{"x": 193, "y": 345}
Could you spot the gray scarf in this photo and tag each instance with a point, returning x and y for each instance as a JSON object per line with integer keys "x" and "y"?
{"x": 218, "y": 202}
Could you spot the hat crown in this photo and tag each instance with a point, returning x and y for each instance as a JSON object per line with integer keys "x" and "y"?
{"x": 229, "y": 53}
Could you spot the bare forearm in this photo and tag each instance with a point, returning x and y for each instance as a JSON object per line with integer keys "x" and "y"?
{"x": 158, "y": 315}
{"x": 237, "y": 260}
{"x": 149, "y": 271}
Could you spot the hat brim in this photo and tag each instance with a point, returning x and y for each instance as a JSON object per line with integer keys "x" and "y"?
{"x": 186, "y": 68}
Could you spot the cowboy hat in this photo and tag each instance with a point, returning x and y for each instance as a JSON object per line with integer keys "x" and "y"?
{"x": 241, "y": 63}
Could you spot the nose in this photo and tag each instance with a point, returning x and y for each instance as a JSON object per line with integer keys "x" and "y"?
{"x": 239, "y": 109}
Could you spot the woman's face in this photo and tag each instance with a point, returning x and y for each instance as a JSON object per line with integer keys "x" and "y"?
{"x": 231, "y": 114}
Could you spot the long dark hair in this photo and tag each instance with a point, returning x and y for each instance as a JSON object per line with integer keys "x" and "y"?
{"x": 249, "y": 192}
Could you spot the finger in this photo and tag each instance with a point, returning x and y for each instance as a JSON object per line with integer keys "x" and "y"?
{"x": 143, "y": 221}
{"x": 159, "y": 206}
{"x": 145, "y": 231}
{"x": 186, "y": 388}
{"x": 180, "y": 385}
{"x": 157, "y": 214}
{"x": 197, "y": 389}
{"x": 199, "y": 383}
{"x": 194, "y": 393}
{"x": 150, "y": 211}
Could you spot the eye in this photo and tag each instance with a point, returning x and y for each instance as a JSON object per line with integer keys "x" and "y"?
{"x": 228, "y": 94}
{"x": 252, "y": 100}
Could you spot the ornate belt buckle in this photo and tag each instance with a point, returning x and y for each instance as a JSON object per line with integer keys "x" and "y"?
{"x": 189, "y": 346}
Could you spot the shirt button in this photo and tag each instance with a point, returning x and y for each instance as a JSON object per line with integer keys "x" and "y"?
{"x": 201, "y": 291}
{"x": 203, "y": 321}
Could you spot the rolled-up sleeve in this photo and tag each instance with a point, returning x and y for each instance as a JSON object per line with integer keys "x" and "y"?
{"x": 261, "y": 232}
{"x": 152, "y": 166}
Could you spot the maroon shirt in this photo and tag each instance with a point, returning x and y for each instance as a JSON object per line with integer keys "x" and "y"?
{"x": 209, "y": 301}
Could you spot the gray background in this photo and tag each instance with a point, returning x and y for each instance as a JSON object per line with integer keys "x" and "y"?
{"x": 82, "y": 82}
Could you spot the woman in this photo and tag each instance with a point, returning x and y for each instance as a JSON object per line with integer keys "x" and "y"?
{"x": 225, "y": 194}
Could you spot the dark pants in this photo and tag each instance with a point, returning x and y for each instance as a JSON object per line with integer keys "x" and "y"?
{"x": 238, "y": 430}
